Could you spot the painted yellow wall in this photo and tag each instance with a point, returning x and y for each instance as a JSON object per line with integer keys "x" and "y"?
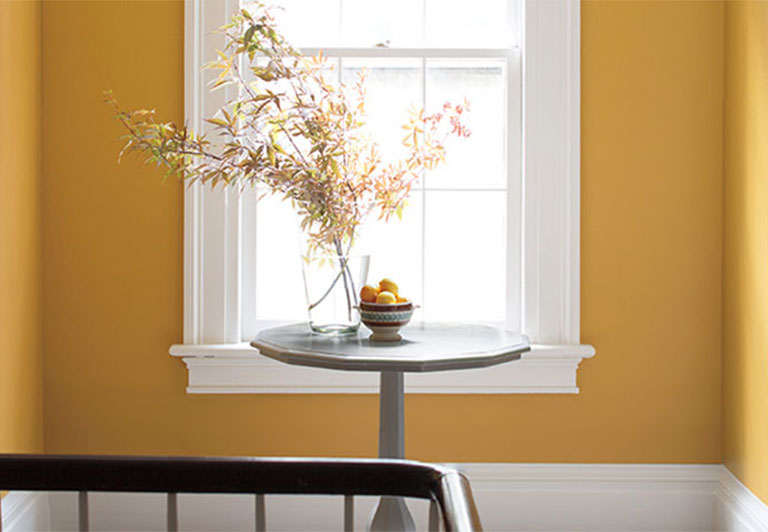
{"x": 21, "y": 399}
{"x": 745, "y": 259}
{"x": 652, "y": 167}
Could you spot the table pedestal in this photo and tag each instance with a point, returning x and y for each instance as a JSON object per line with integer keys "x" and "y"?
{"x": 430, "y": 347}
{"x": 391, "y": 514}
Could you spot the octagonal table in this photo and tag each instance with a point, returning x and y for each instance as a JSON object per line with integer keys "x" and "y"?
{"x": 424, "y": 347}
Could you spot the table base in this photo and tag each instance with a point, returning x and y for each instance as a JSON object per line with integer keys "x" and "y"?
{"x": 391, "y": 514}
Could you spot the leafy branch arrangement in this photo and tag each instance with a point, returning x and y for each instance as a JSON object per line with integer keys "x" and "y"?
{"x": 295, "y": 134}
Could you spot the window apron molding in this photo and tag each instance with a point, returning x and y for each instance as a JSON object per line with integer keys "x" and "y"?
{"x": 215, "y": 249}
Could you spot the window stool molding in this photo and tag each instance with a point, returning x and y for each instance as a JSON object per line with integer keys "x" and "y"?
{"x": 218, "y": 361}
{"x": 238, "y": 368}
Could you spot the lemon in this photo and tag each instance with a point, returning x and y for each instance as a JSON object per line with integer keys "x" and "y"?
{"x": 388, "y": 285}
{"x": 386, "y": 298}
{"x": 368, "y": 293}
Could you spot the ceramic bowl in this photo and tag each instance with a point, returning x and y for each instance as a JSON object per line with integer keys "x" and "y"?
{"x": 386, "y": 320}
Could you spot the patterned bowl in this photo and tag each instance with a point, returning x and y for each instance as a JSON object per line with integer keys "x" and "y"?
{"x": 386, "y": 320}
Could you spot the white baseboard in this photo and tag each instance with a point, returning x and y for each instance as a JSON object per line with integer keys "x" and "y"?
{"x": 25, "y": 511}
{"x": 738, "y": 509}
{"x": 594, "y": 497}
{"x": 510, "y": 497}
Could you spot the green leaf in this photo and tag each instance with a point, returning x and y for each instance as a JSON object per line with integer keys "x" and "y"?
{"x": 216, "y": 122}
{"x": 249, "y": 34}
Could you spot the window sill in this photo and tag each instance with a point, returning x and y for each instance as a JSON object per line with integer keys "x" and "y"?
{"x": 240, "y": 369}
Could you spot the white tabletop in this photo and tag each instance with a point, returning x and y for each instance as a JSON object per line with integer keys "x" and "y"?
{"x": 424, "y": 347}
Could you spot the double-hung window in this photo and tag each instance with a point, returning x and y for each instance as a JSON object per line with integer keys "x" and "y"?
{"x": 490, "y": 236}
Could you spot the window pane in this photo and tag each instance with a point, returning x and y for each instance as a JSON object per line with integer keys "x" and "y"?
{"x": 366, "y": 23}
{"x": 329, "y": 74}
{"x": 465, "y": 249}
{"x": 393, "y": 87}
{"x": 404, "y": 23}
{"x": 478, "y": 161}
{"x": 279, "y": 287}
{"x": 395, "y": 249}
{"x": 308, "y": 22}
{"x": 462, "y": 24}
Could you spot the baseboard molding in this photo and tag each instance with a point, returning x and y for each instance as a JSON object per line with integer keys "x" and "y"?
{"x": 510, "y": 497}
{"x": 24, "y": 511}
{"x": 738, "y": 509}
{"x": 594, "y": 497}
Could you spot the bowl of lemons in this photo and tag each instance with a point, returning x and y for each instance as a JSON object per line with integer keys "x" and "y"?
{"x": 384, "y": 311}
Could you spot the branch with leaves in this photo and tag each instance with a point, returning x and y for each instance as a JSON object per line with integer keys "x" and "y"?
{"x": 291, "y": 131}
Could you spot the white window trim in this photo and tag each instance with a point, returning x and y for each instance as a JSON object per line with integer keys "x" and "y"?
{"x": 217, "y": 360}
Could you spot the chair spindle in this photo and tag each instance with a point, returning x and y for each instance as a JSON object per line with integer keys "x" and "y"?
{"x": 434, "y": 517}
{"x": 82, "y": 511}
{"x": 172, "y": 513}
{"x": 349, "y": 513}
{"x": 261, "y": 516}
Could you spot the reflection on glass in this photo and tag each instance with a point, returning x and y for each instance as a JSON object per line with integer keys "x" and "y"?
{"x": 478, "y": 161}
{"x": 465, "y": 250}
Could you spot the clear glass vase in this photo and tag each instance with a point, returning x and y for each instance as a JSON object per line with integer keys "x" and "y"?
{"x": 332, "y": 285}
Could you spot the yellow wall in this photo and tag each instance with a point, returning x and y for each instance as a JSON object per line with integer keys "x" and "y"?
{"x": 745, "y": 261}
{"x": 652, "y": 91}
{"x": 21, "y": 399}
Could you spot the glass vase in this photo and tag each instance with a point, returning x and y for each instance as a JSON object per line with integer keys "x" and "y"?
{"x": 332, "y": 285}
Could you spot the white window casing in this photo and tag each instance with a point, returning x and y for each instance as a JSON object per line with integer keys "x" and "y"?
{"x": 215, "y": 249}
